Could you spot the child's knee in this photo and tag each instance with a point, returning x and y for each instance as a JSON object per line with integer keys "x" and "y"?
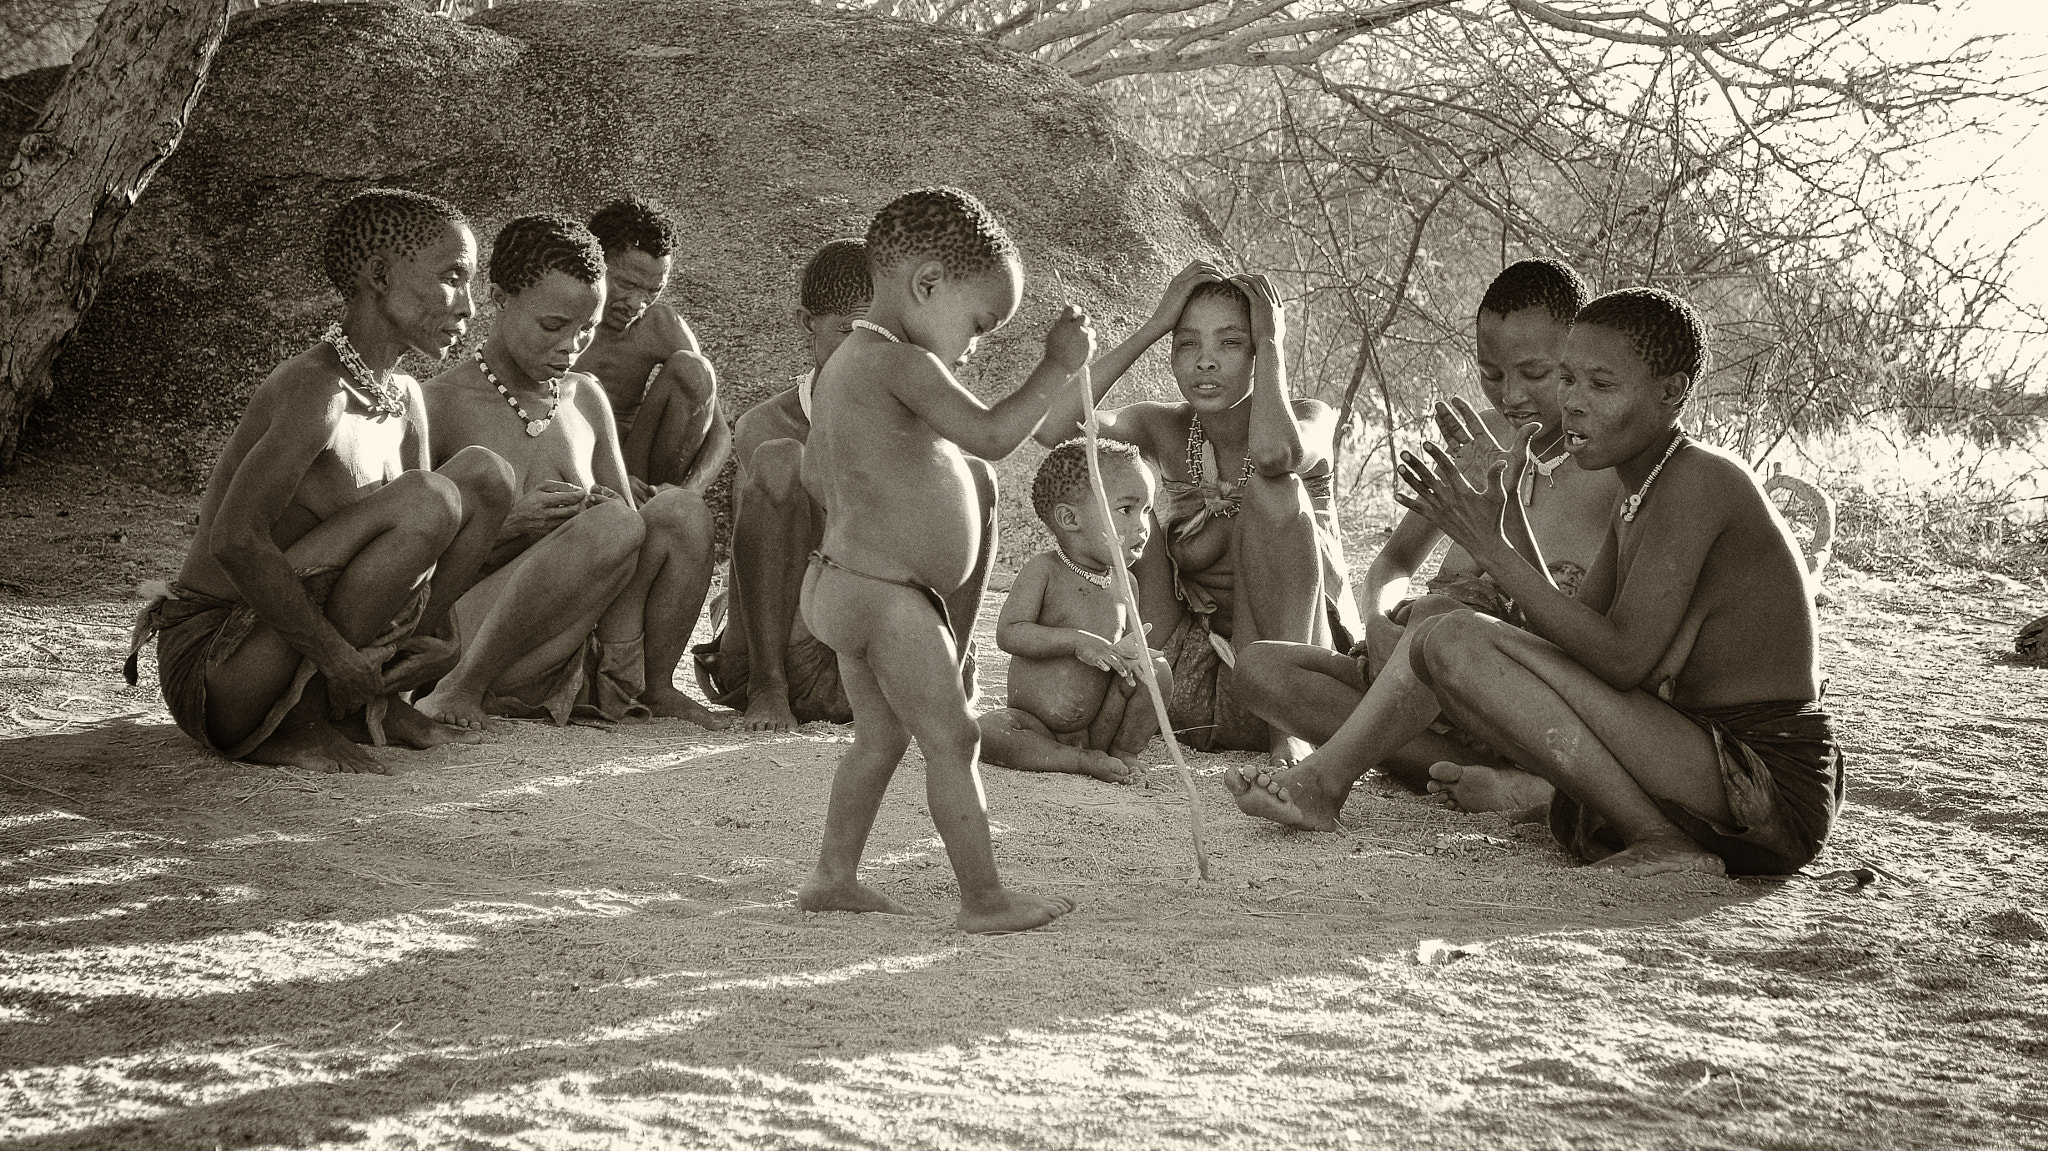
{"x": 1162, "y": 671}
{"x": 952, "y": 740}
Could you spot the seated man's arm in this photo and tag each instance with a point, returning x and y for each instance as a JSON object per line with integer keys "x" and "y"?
{"x": 303, "y": 416}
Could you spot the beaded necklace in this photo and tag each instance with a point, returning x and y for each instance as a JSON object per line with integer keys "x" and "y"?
{"x": 1632, "y": 503}
{"x": 1098, "y": 580}
{"x": 533, "y": 427}
{"x": 878, "y": 330}
{"x": 384, "y": 398}
{"x": 1196, "y": 440}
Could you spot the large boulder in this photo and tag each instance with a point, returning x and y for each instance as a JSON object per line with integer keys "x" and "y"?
{"x": 768, "y": 128}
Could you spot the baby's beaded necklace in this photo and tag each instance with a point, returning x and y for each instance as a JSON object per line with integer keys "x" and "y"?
{"x": 1098, "y": 580}
{"x": 1196, "y": 439}
{"x": 385, "y": 397}
{"x": 878, "y": 330}
{"x": 533, "y": 427}
{"x": 1630, "y": 505}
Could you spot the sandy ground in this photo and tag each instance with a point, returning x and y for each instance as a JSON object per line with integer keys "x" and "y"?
{"x": 583, "y": 938}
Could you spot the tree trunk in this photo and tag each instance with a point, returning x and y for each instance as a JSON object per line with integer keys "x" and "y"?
{"x": 118, "y": 115}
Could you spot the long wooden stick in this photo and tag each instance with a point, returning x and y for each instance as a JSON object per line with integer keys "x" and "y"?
{"x": 1136, "y": 622}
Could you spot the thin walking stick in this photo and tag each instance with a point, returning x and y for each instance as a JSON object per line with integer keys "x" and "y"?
{"x": 1122, "y": 575}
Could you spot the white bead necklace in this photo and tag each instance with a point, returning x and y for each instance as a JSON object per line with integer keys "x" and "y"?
{"x": 1634, "y": 502}
{"x": 533, "y": 427}
{"x": 878, "y": 330}
{"x": 384, "y": 397}
{"x": 1098, "y": 580}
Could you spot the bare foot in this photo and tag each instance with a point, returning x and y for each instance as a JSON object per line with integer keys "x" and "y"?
{"x": 1106, "y": 767}
{"x": 404, "y": 723}
{"x": 669, "y": 703}
{"x": 1289, "y": 797}
{"x": 1012, "y": 911}
{"x": 463, "y": 709}
{"x": 1288, "y": 751}
{"x": 1659, "y": 856}
{"x": 1476, "y": 787}
{"x": 822, "y": 894}
{"x": 768, "y": 711}
{"x": 315, "y": 746}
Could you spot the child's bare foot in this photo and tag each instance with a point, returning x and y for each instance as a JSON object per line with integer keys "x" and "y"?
{"x": 668, "y": 703}
{"x": 1291, "y": 797}
{"x": 1658, "y": 856}
{"x": 1106, "y": 767}
{"x": 454, "y": 708}
{"x": 822, "y": 894}
{"x": 315, "y": 746}
{"x": 1475, "y": 787}
{"x": 1012, "y": 911}
{"x": 769, "y": 711}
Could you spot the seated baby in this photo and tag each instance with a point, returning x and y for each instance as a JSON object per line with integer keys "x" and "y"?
{"x": 1076, "y": 702}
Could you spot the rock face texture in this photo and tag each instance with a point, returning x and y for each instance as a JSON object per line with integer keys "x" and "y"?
{"x": 767, "y": 129}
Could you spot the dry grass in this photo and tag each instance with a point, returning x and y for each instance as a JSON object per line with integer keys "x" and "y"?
{"x": 1905, "y": 504}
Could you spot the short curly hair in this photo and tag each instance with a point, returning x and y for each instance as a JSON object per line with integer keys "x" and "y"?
{"x": 381, "y": 219}
{"x": 836, "y": 281}
{"x": 1665, "y": 331}
{"x": 1219, "y": 290}
{"x": 635, "y": 222}
{"x": 1063, "y": 475}
{"x": 530, "y": 247}
{"x": 946, "y": 223}
{"x": 1552, "y": 285}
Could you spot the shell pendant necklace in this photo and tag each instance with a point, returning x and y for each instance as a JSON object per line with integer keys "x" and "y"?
{"x": 1098, "y": 580}
{"x": 1540, "y": 466}
{"x": 382, "y": 397}
{"x": 1198, "y": 438}
{"x": 533, "y": 427}
{"x": 1630, "y": 504}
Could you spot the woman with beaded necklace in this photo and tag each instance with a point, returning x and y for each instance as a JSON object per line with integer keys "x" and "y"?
{"x": 327, "y": 553}
{"x": 1250, "y": 548}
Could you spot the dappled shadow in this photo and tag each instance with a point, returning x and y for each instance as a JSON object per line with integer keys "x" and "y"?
{"x": 321, "y": 963}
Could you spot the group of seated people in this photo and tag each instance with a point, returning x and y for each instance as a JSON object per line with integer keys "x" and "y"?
{"x": 1621, "y": 632}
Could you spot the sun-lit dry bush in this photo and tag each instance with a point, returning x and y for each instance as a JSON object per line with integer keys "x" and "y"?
{"x": 1909, "y": 500}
